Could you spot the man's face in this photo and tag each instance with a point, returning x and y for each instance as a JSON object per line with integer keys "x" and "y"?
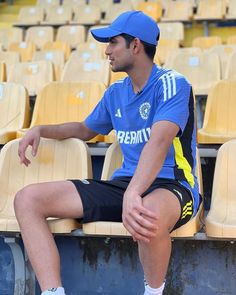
{"x": 121, "y": 57}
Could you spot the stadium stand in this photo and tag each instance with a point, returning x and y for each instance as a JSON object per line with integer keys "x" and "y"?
{"x": 172, "y": 31}
{"x": 32, "y": 75}
{"x": 210, "y": 9}
{"x": 14, "y": 110}
{"x": 219, "y": 123}
{"x": 90, "y": 51}
{"x": 58, "y": 15}
{"x": 46, "y": 3}
{"x": 73, "y": 35}
{"x": 113, "y": 160}
{"x": 58, "y": 46}
{"x": 153, "y": 9}
{"x": 178, "y": 11}
{"x": 231, "y": 40}
{"x": 220, "y": 221}
{"x": 231, "y": 12}
{"x": 165, "y": 49}
{"x": 230, "y": 68}
{"x": 115, "y": 9}
{"x": 2, "y": 71}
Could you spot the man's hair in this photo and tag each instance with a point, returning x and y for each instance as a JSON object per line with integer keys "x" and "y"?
{"x": 149, "y": 49}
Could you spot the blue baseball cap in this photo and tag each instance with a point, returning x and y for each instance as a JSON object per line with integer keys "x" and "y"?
{"x": 134, "y": 23}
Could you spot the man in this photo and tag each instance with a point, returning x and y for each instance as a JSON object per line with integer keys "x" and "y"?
{"x": 155, "y": 190}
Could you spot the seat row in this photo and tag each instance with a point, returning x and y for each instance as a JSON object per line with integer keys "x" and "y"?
{"x": 61, "y": 102}
{"x": 179, "y": 10}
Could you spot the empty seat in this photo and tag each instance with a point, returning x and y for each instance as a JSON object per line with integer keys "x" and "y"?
{"x": 231, "y": 13}
{"x": 33, "y": 75}
{"x": 30, "y": 15}
{"x": 58, "y": 15}
{"x": 73, "y": 35}
{"x": 86, "y": 15}
{"x": 172, "y": 31}
{"x": 25, "y": 49}
{"x": 14, "y": 110}
{"x": 206, "y": 42}
{"x": 73, "y": 2}
{"x": 178, "y": 11}
{"x": 56, "y": 57}
{"x": 153, "y": 9}
{"x": 230, "y": 72}
{"x": 58, "y": 45}
{"x": 210, "y": 9}
{"x": 8, "y": 58}
{"x": 55, "y": 160}
{"x": 46, "y": 3}
{"x": 61, "y": 102}
{"x": 221, "y": 219}
{"x": 173, "y": 52}
{"x": 219, "y": 123}
{"x": 90, "y": 51}
{"x": 114, "y": 10}
{"x": 113, "y": 160}
{"x": 164, "y": 49}
{"x": 202, "y": 70}
{"x": 231, "y": 40}
{"x": 224, "y": 52}
{"x": 81, "y": 70}
{"x": 10, "y": 35}
{"x": 39, "y": 35}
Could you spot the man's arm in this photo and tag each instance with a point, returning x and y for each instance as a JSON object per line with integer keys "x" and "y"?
{"x": 136, "y": 218}
{"x": 60, "y": 131}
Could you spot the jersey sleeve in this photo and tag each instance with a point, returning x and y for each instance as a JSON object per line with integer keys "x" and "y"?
{"x": 99, "y": 120}
{"x": 173, "y": 99}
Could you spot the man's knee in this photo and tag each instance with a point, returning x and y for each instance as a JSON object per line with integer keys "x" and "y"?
{"x": 26, "y": 200}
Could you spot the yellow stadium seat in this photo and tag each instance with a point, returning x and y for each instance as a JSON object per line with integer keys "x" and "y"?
{"x": 73, "y": 35}
{"x": 90, "y": 51}
{"x": 219, "y": 123}
{"x": 224, "y": 52}
{"x": 39, "y": 35}
{"x": 58, "y": 15}
{"x": 231, "y": 40}
{"x": 9, "y": 57}
{"x": 230, "y": 68}
{"x": 55, "y": 160}
{"x": 172, "y": 31}
{"x": 58, "y": 45}
{"x": 202, "y": 70}
{"x": 178, "y": 11}
{"x": 210, "y": 9}
{"x": 86, "y": 15}
{"x": 103, "y": 4}
{"x": 114, "y": 10}
{"x": 30, "y": 15}
{"x": 90, "y": 37}
{"x": 164, "y": 49}
{"x": 66, "y": 102}
{"x": 26, "y": 50}
{"x": 206, "y": 42}
{"x": 2, "y": 71}
{"x": 14, "y": 110}
{"x": 113, "y": 160}
{"x": 46, "y": 3}
{"x": 10, "y": 35}
{"x": 56, "y": 57}
{"x": 79, "y": 70}
{"x": 33, "y": 75}
{"x": 73, "y": 2}
{"x": 231, "y": 13}
{"x": 153, "y": 9}
{"x": 221, "y": 219}
{"x": 187, "y": 50}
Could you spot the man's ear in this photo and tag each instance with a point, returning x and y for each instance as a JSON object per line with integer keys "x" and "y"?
{"x": 136, "y": 45}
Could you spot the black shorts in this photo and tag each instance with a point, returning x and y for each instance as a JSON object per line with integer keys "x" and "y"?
{"x": 102, "y": 200}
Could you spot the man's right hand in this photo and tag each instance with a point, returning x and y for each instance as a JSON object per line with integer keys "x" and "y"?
{"x": 32, "y": 138}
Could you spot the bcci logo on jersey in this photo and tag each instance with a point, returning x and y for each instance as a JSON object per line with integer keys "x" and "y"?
{"x": 144, "y": 110}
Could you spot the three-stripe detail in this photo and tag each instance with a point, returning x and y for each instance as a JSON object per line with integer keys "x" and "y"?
{"x": 187, "y": 209}
{"x": 169, "y": 85}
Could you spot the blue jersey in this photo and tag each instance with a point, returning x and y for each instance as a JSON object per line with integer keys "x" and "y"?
{"x": 167, "y": 96}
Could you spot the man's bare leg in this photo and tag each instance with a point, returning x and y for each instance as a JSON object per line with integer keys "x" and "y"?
{"x": 155, "y": 255}
{"x": 33, "y": 205}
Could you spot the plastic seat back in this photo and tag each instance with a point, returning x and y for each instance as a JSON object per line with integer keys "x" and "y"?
{"x": 73, "y": 35}
{"x": 30, "y": 15}
{"x": 39, "y": 35}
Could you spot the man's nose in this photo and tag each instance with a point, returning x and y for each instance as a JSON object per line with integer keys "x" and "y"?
{"x": 107, "y": 51}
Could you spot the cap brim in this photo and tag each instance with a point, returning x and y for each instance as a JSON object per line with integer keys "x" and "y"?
{"x": 104, "y": 34}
